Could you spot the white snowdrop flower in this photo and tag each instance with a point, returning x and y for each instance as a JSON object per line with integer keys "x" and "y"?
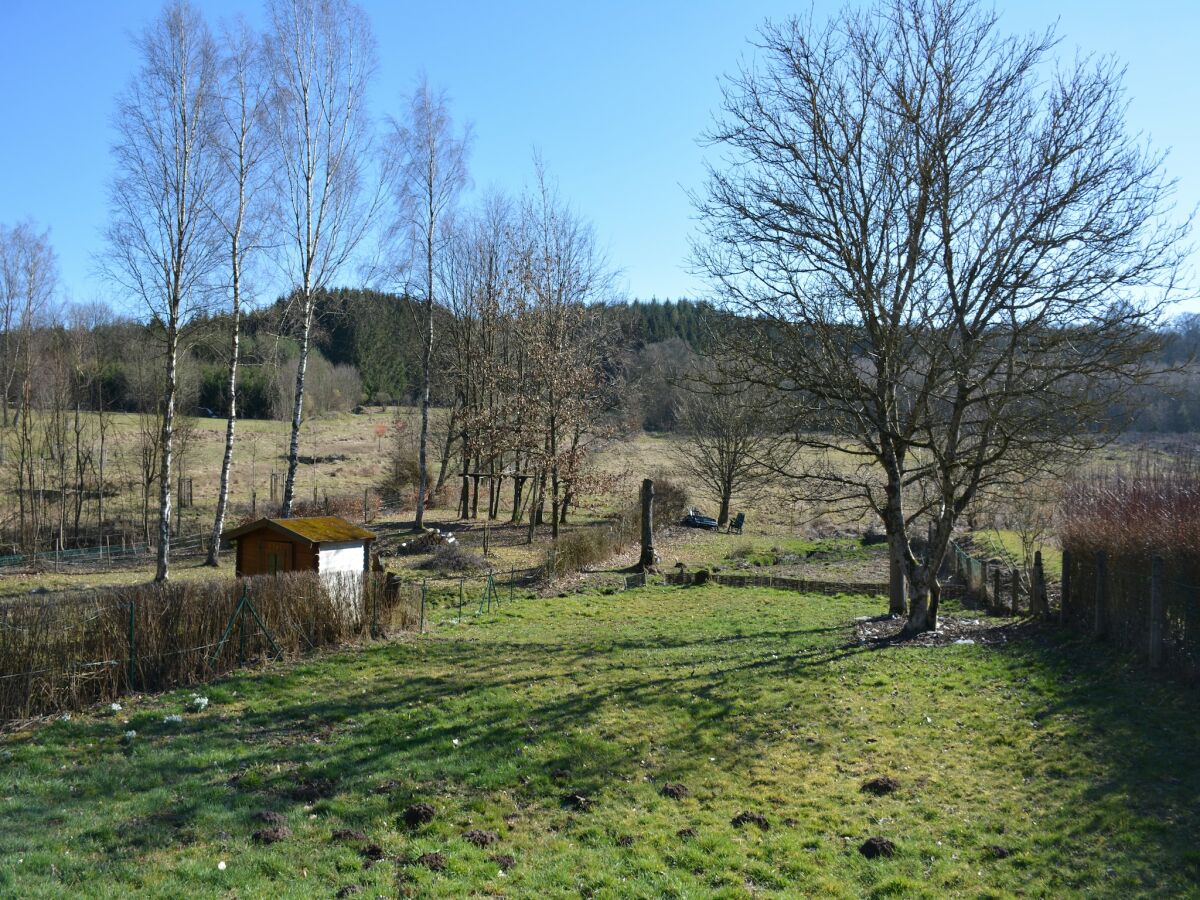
{"x": 172, "y": 720}
{"x": 199, "y": 702}
{"x": 65, "y": 717}
{"x": 130, "y": 734}
{"x": 221, "y": 866}
{"x": 115, "y": 707}
{"x": 455, "y": 742}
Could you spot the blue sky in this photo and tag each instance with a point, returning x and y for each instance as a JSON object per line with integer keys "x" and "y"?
{"x": 613, "y": 95}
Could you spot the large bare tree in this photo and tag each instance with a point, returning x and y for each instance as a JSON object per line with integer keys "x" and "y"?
{"x": 950, "y": 251}
{"x": 734, "y": 446}
{"x": 242, "y": 148}
{"x": 430, "y": 158}
{"x": 321, "y": 58}
{"x": 161, "y": 238}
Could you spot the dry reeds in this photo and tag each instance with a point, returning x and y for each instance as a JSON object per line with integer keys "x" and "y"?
{"x": 1132, "y": 516}
{"x": 65, "y": 651}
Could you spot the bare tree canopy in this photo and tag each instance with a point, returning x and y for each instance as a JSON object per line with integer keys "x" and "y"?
{"x": 162, "y": 240}
{"x": 950, "y": 249}
{"x": 430, "y": 160}
{"x": 240, "y": 206}
{"x": 734, "y": 444}
{"x": 321, "y": 56}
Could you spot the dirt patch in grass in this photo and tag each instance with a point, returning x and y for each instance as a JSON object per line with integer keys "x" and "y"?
{"x": 311, "y": 789}
{"x": 880, "y": 631}
{"x": 481, "y": 838}
{"x": 372, "y": 853}
{"x": 272, "y": 835}
{"x": 750, "y": 818}
{"x": 349, "y": 835}
{"x": 880, "y": 786}
{"x": 686, "y": 834}
{"x": 577, "y": 801}
{"x": 875, "y": 847}
{"x": 271, "y": 818}
{"x": 419, "y": 814}
{"x": 434, "y": 862}
{"x": 504, "y": 860}
{"x": 674, "y": 790}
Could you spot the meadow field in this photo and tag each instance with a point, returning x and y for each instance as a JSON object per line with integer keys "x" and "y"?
{"x": 660, "y": 742}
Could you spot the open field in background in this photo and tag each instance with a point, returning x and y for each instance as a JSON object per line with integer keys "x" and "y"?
{"x": 350, "y": 453}
{"x": 1027, "y": 763}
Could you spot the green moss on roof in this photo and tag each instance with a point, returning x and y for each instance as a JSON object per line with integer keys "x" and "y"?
{"x": 314, "y": 529}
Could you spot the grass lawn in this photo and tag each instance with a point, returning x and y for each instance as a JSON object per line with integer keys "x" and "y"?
{"x": 1037, "y": 766}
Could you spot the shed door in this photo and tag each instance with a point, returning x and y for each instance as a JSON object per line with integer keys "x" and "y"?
{"x": 279, "y": 557}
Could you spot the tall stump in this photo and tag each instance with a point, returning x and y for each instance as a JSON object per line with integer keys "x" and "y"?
{"x": 647, "y": 558}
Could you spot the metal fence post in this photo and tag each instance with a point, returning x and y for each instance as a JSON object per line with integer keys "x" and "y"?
{"x": 1156, "y": 612}
{"x": 1101, "y": 586}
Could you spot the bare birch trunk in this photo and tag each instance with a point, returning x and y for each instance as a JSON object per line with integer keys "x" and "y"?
{"x": 214, "y": 546}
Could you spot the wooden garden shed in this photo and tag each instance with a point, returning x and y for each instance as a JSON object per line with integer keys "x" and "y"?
{"x": 327, "y": 545}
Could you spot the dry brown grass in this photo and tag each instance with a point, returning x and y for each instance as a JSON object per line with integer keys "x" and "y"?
{"x": 60, "y": 652}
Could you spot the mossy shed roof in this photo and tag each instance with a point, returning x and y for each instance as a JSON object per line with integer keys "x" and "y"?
{"x": 312, "y": 530}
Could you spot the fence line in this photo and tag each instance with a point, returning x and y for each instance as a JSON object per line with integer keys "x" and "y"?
{"x": 1147, "y": 604}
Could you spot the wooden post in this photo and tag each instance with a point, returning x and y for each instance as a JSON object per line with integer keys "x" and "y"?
{"x": 1015, "y": 593}
{"x": 1039, "y": 603}
{"x": 647, "y": 558}
{"x": 996, "y": 587}
{"x": 1065, "y": 587}
{"x": 1101, "y": 586}
{"x": 1156, "y": 612}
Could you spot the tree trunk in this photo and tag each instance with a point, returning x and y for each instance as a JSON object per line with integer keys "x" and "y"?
{"x": 426, "y": 375}
{"x": 214, "y": 545}
{"x": 518, "y": 488}
{"x": 163, "y": 571}
{"x": 897, "y": 595}
{"x": 723, "y": 514}
{"x": 289, "y": 487}
{"x": 646, "y": 560}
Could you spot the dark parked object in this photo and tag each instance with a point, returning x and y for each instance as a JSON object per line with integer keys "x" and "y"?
{"x": 735, "y": 527}
{"x": 695, "y": 519}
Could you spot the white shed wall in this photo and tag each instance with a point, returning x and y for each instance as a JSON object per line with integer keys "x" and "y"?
{"x": 345, "y": 557}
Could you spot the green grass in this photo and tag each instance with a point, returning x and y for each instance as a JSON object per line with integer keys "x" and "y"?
{"x": 1009, "y": 542}
{"x": 755, "y": 700}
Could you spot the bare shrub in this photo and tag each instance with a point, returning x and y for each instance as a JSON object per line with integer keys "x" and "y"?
{"x": 67, "y": 650}
{"x": 453, "y": 557}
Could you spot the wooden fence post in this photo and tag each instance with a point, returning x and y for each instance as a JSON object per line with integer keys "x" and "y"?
{"x": 1101, "y": 586}
{"x": 995, "y": 604}
{"x": 1014, "y": 590}
{"x": 1156, "y": 612}
{"x": 1039, "y": 602}
{"x": 1064, "y": 587}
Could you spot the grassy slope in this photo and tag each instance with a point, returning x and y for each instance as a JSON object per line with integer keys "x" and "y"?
{"x": 750, "y": 698}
